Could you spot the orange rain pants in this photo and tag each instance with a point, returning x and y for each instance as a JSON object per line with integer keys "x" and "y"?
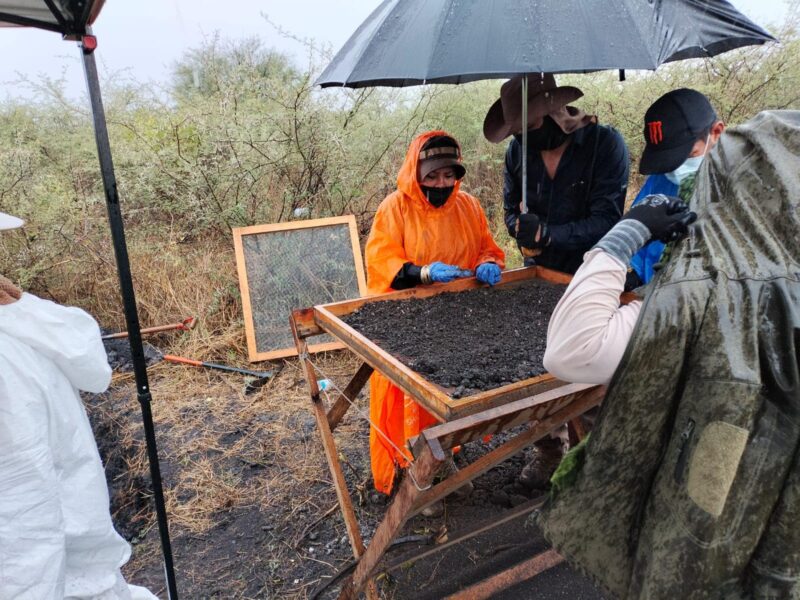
{"x": 407, "y": 228}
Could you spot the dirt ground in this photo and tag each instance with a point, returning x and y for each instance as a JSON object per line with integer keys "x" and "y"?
{"x": 462, "y": 341}
{"x": 253, "y": 513}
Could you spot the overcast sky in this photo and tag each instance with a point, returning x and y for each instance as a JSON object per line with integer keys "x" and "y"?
{"x": 144, "y": 38}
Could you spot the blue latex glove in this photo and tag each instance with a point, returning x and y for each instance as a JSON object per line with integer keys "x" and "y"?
{"x": 442, "y": 273}
{"x": 488, "y": 272}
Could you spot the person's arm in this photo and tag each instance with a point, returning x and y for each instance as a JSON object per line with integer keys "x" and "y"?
{"x": 606, "y": 196}
{"x": 410, "y": 275}
{"x": 589, "y": 330}
{"x": 641, "y": 268}
{"x": 512, "y": 188}
{"x": 66, "y": 335}
{"x": 388, "y": 266}
{"x": 490, "y": 251}
{"x": 385, "y": 254}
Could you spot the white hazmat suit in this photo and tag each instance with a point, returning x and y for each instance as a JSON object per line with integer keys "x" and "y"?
{"x": 56, "y": 536}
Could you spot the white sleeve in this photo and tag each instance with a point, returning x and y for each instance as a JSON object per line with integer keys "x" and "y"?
{"x": 589, "y": 330}
{"x": 66, "y": 335}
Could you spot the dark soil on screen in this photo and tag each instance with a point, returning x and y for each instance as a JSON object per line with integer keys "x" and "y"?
{"x": 467, "y": 341}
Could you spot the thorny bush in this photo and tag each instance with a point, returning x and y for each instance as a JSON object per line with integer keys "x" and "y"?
{"x": 243, "y": 137}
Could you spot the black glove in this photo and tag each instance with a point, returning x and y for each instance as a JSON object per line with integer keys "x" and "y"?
{"x": 666, "y": 217}
{"x": 531, "y": 232}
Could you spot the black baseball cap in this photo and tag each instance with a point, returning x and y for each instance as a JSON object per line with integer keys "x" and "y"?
{"x": 672, "y": 125}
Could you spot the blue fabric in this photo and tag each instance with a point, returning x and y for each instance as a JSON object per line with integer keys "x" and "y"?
{"x": 643, "y": 261}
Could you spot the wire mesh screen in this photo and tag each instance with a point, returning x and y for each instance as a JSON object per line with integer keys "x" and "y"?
{"x": 296, "y": 268}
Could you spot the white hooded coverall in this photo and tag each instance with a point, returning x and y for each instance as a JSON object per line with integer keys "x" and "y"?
{"x": 56, "y": 536}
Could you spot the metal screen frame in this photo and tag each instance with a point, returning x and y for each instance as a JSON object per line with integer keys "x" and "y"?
{"x": 254, "y": 355}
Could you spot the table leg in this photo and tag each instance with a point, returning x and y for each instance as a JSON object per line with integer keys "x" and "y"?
{"x": 329, "y": 445}
{"x": 418, "y": 478}
{"x": 339, "y": 408}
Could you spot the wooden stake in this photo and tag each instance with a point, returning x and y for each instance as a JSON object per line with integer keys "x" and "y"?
{"x": 523, "y": 571}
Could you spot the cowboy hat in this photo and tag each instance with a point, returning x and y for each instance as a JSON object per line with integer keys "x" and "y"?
{"x": 544, "y": 97}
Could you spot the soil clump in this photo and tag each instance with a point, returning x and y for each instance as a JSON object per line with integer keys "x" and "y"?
{"x": 469, "y": 341}
{"x": 120, "y": 356}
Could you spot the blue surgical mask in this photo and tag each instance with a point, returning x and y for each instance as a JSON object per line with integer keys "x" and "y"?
{"x": 688, "y": 167}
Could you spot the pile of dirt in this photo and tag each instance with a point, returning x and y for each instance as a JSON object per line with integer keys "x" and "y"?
{"x": 467, "y": 341}
{"x": 120, "y": 357}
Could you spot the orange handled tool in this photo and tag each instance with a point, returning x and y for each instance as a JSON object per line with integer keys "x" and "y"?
{"x": 208, "y": 365}
{"x": 261, "y": 377}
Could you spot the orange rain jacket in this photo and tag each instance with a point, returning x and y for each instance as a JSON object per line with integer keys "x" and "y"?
{"x": 407, "y": 228}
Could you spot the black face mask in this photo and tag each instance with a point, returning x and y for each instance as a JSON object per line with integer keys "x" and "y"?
{"x": 547, "y": 137}
{"x": 437, "y": 196}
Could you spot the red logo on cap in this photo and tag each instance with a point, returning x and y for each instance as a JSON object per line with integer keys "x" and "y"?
{"x": 655, "y": 132}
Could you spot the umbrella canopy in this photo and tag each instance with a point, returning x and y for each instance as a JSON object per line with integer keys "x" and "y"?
{"x": 411, "y": 42}
{"x": 67, "y": 17}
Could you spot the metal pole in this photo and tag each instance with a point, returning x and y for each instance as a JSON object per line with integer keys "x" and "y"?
{"x": 128, "y": 300}
{"x": 524, "y": 207}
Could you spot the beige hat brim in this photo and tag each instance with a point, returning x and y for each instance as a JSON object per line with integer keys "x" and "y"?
{"x": 9, "y": 222}
{"x": 431, "y": 165}
{"x": 497, "y": 126}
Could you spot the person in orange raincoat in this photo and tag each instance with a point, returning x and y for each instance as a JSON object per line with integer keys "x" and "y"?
{"x": 427, "y": 231}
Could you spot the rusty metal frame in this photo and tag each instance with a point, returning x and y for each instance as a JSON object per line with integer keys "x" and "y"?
{"x": 543, "y": 402}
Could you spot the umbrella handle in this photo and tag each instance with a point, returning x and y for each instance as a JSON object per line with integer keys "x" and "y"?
{"x": 524, "y": 204}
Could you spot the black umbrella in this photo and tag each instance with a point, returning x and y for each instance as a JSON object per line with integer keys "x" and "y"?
{"x": 71, "y": 18}
{"x": 411, "y": 42}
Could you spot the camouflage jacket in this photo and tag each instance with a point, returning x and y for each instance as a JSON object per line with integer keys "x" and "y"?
{"x": 685, "y": 193}
{"x": 690, "y": 484}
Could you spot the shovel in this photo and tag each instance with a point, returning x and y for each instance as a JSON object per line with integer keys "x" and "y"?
{"x": 261, "y": 377}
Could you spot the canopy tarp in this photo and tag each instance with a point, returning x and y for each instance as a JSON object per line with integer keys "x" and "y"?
{"x": 67, "y": 17}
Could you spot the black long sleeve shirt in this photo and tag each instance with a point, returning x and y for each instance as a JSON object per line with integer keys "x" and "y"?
{"x": 581, "y": 203}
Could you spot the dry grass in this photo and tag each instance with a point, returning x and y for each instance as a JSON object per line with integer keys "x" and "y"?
{"x": 230, "y": 462}
{"x": 224, "y": 453}
{"x": 209, "y": 426}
